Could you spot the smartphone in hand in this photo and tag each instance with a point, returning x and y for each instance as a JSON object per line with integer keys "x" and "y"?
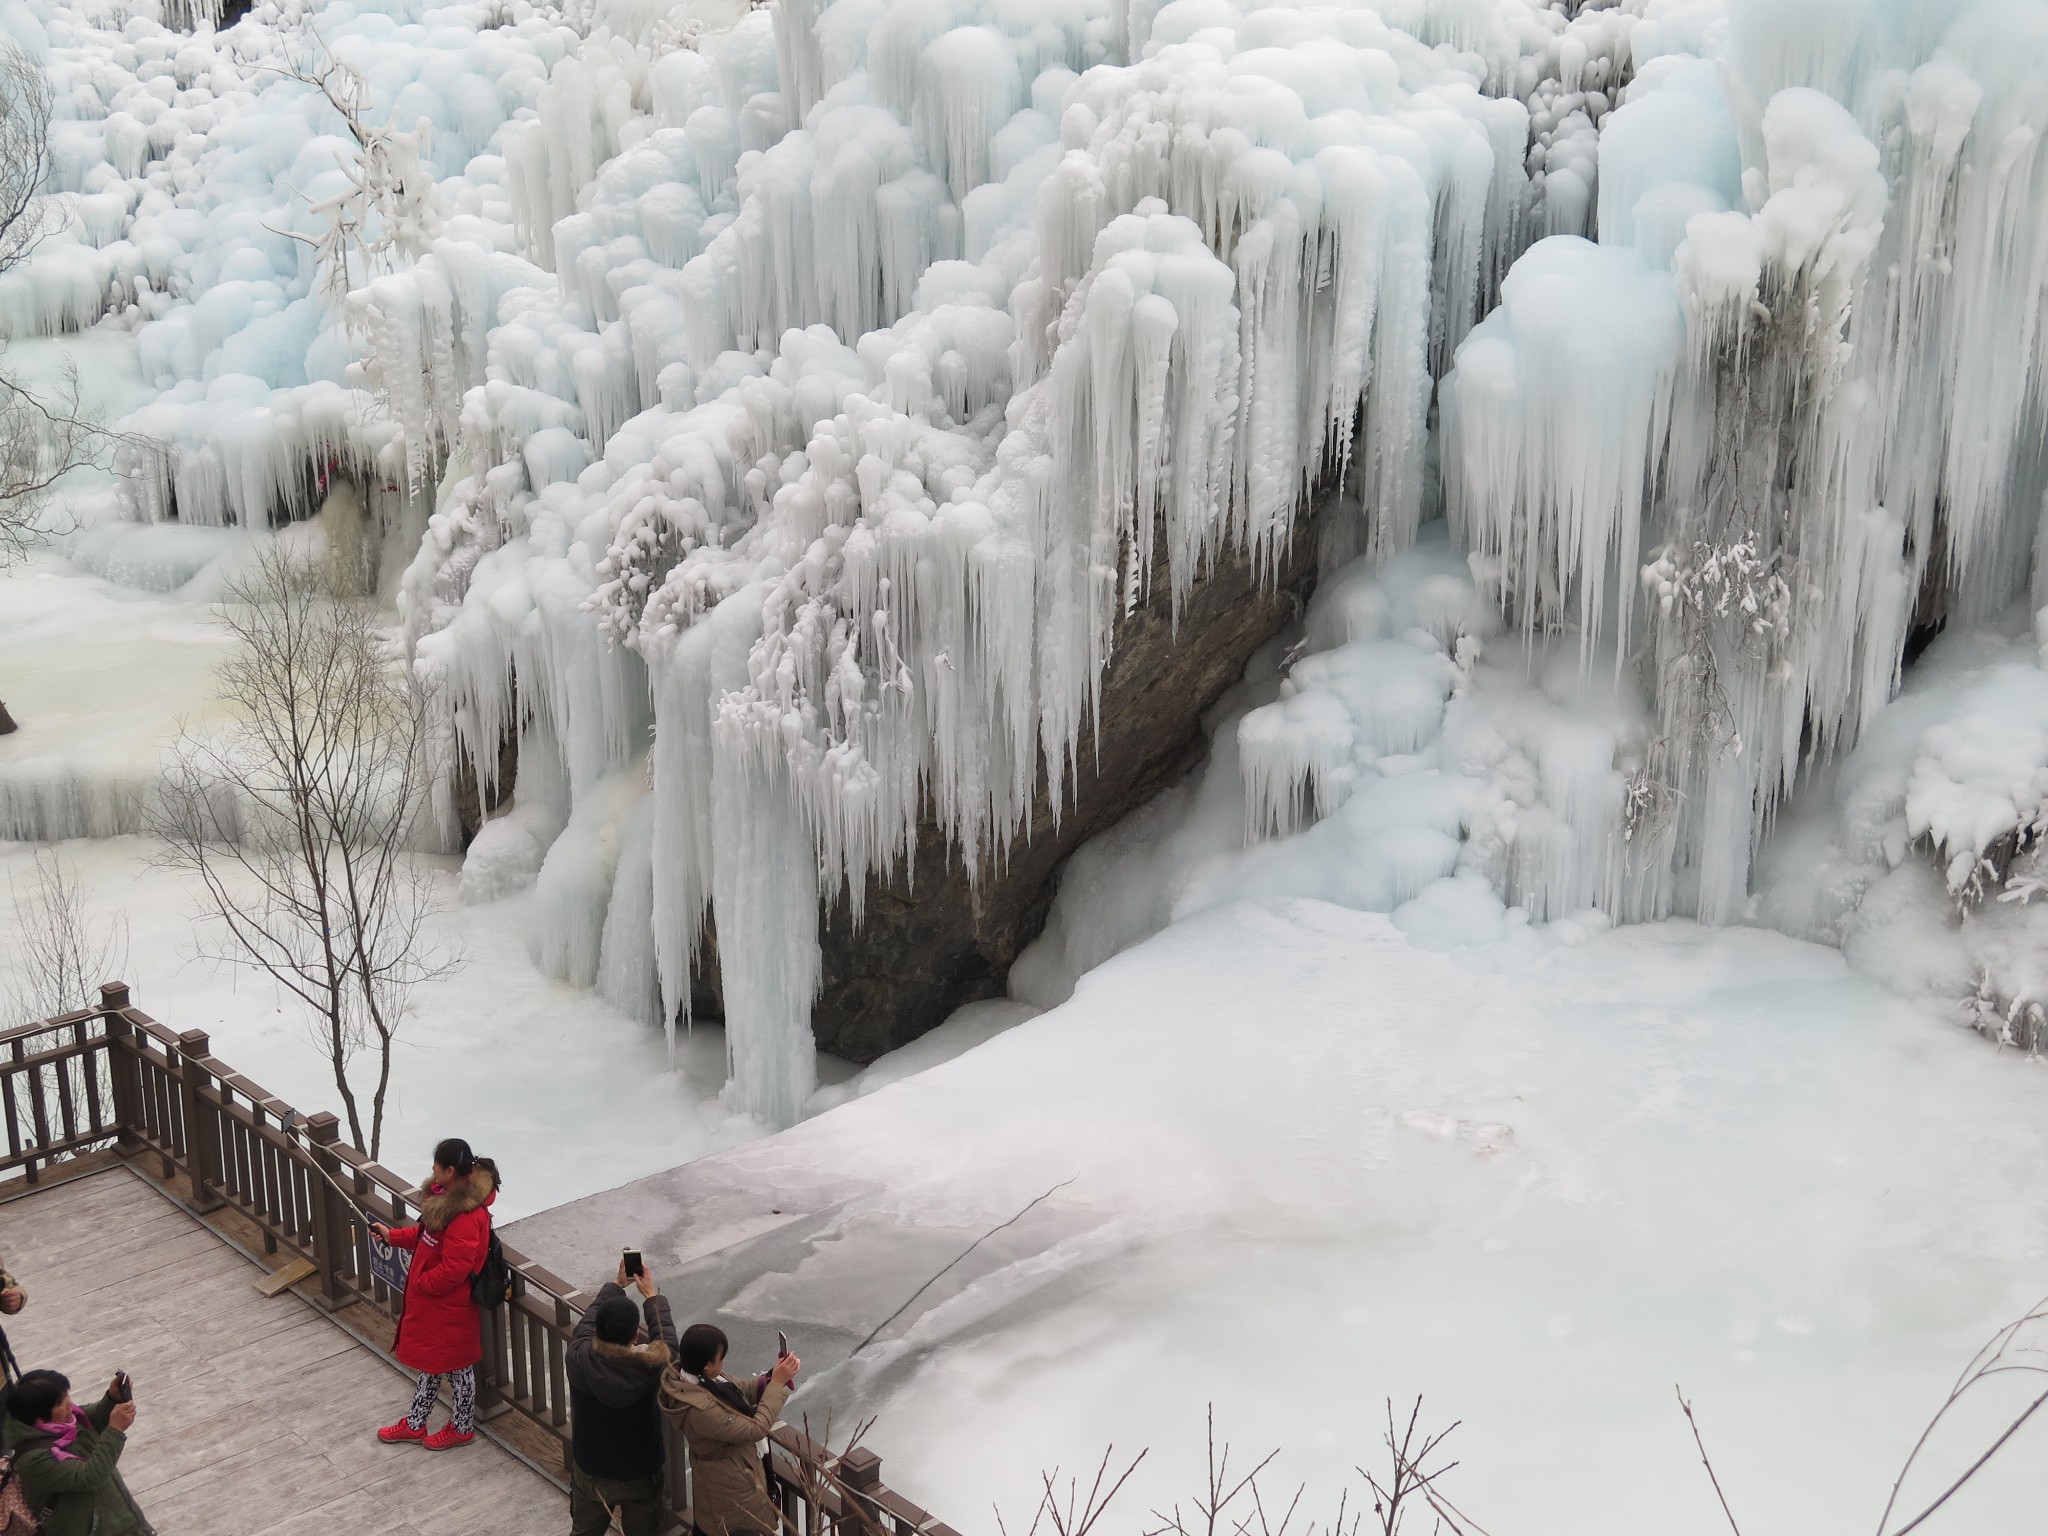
{"x": 781, "y": 1344}
{"x": 633, "y": 1265}
{"x": 124, "y": 1389}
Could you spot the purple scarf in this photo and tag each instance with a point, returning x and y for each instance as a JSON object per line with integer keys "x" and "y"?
{"x": 64, "y": 1435}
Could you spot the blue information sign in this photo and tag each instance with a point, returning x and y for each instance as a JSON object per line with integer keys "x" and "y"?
{"x": 389, "y": 1264}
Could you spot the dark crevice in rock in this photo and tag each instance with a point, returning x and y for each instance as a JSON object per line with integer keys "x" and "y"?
{"x": 473, "y": 808}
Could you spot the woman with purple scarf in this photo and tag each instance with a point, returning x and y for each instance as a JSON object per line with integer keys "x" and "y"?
{"x": 67, "y": 1457}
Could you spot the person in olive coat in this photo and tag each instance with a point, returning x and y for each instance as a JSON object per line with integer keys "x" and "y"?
{"x": 68, "y": 1458}
{"x": 724, "y": 1423}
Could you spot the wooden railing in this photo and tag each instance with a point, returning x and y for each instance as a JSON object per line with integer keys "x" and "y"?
{"x": 112, "y": 1081}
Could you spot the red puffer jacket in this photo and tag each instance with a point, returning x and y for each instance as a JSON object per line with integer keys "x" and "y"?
{"x": 437, "y": 1328}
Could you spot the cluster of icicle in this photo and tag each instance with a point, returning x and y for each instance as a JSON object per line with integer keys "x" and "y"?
{"x": 191, "y": 174}
{"x": 1801, "y": 371}
{"x": 884, "y": 357}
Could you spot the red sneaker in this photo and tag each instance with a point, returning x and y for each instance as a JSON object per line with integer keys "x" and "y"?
{"x": 446, "y": 1438}
{"x": 401, "y": 1433}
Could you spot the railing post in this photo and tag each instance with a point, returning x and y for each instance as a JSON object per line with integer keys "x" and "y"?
{"x": 860, "y": 1470}
{"x": 122, "y": 1073}
{"x": 202, "y": 1132}
{"x": 332, "y": 1243}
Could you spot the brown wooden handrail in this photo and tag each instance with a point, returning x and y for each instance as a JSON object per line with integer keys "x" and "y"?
{"x": 114, "y": 1080}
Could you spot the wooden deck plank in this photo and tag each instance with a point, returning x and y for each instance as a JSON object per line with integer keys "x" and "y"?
{"x": 256, "y": 1415}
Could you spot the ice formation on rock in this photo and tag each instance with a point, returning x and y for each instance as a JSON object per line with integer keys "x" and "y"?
{"x": 1821, "y": 427}
{"x": 790, "y": 404}
{"x": 874, "y": 565}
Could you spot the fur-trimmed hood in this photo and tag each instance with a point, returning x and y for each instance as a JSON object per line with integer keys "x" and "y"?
{"x": 446, "y": 1202}
{"x": 650, "y": 1354}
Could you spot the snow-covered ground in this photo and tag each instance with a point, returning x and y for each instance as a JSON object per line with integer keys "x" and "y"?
{"x": 574, "y": 1095}
{"x": 1314, "y": 1167}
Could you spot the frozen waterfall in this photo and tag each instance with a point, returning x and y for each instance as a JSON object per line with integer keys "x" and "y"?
{"x": 791, "y": 406}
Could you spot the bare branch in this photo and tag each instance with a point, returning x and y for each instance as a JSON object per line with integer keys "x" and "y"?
{"x": 386, "y": 212}
{"x": 1705, "y": 1461}
{"x": 992, "y": 1231}
{"x": 1993, "y": 1359}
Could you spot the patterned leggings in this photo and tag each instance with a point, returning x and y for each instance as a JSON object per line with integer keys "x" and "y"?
{"x": 463, "y": 1385}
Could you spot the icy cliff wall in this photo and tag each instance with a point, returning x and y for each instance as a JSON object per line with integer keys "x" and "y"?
{"x": 1789, "y": 402}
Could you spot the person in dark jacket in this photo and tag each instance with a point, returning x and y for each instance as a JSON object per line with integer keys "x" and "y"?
{"x": 439, "y": 1329}
{"x": 67, "y": 1458}
{"x": 617, "y": 1458}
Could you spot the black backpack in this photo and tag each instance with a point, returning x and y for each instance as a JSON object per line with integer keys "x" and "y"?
{"x": 491, "y": 1286}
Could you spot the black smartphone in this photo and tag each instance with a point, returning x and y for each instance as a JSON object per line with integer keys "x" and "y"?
{"x": 124, "y": 1390}
{"x": 632, "y": 1263}
{"x": 781, "y": 1344}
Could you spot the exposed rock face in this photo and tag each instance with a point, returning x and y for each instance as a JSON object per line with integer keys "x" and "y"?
{"x": 7, "y": 725}
{"x": 929, "y": 941}
{"x": 474, "y": 807}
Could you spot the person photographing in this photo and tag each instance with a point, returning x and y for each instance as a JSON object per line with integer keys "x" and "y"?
{"x": 439, "y": 1332}
{"x": 68, "y": 1457}
{"x": 722, "y": 1421}
{"x": 617, "y": 1357}
{"x": 12, "y": 1299}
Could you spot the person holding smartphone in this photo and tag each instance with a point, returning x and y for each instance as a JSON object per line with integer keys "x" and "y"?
{"x": 722, "y": 1422}
{"x": 439, "y": 1326}
{"x": 68, "y": 1457}
{"x": 617, "y": 1354}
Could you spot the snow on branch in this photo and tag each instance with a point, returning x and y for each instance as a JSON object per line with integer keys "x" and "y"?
{"x": 385, "y": 215}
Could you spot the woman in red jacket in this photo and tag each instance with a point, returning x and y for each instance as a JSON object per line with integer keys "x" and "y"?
{"x": 438, "y": 1333}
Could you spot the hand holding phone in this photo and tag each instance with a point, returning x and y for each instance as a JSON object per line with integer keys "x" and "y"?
{"x": 632, "y": 1263}
{"x": 121, "y": 1390}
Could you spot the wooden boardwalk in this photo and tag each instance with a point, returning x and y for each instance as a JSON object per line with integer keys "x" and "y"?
{"x": 254, "y": 1414}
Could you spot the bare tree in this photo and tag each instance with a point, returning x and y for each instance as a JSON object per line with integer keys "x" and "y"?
{"x": 1211, "y": 1506}
{"x": 1411, "y": 1478}
{"x": 1238, "y": 1503}
{"x": 298, "y": 817}
{"x": 1075, "y": 1513}
{"x": 59, "y": 956}
{"x": 44, "y": 435}
{"x": 836, "y": 1507}
{"x": 60, "y": 953}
